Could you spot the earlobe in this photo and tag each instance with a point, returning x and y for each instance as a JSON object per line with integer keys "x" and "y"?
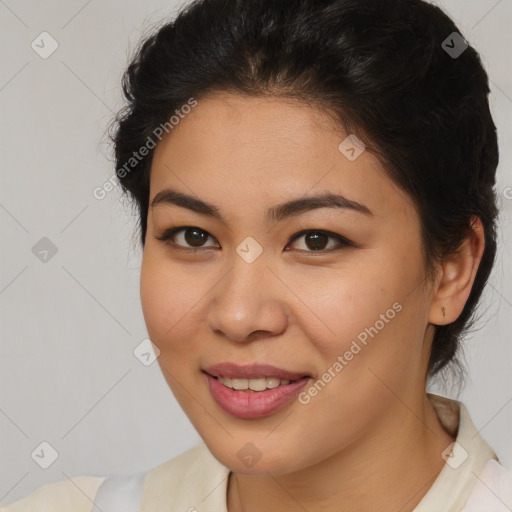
{"x": 457, "y": 275}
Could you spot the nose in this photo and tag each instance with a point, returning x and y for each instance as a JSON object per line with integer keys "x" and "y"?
{"x": 249, "y": 303}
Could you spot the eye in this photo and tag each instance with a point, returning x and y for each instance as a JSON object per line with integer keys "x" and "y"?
{"x": 317, "y": 240}
{"x": 192, "y": 238}
{"x": 189, "y": 234}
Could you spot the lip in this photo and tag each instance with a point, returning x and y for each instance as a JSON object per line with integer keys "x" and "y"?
{"x": 252, "y": 371}
{"x": 245, "y": 405}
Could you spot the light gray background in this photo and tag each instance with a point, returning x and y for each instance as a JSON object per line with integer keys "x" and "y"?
{"x": 69, "y": 326}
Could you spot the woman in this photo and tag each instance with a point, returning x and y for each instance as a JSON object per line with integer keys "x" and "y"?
{"x": 314, "y": 181}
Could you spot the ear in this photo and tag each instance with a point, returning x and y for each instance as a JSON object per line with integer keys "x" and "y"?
{"x": 456, "y": 276}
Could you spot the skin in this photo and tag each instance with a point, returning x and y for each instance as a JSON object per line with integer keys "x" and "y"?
{"x": 370, "y": 440}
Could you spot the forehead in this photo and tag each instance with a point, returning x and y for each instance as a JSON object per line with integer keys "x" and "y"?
{"x": 257, "y": 146}
{"x": 277, "y": 127}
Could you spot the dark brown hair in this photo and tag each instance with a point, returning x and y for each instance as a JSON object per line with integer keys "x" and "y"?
{"x": 380, "y": 67}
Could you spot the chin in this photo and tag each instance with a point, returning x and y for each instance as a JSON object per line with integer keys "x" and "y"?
{"x": 256, "y": 458}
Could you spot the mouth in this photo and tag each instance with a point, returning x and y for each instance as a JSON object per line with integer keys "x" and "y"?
{"x": 253, "y": 391}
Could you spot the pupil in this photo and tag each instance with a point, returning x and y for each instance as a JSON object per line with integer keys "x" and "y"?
{"x": 318, "y": 240}
{"x": 197, "y": 239}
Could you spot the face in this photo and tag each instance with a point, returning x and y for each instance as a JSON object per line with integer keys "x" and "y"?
{"x": 333, "y": 293}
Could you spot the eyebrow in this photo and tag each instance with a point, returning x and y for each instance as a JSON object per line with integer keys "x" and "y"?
{"x": 276, "y": 213}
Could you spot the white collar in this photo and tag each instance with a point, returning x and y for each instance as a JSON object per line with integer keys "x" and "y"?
{"x": 454, "y": 484}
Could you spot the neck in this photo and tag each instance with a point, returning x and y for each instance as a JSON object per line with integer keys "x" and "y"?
{"x": 388, "y": 469}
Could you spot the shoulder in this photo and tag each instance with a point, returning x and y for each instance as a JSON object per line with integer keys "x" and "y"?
{"x": 492, "y": 491}
{"x": 173, "y": 485}
{"x": 76, "y": 494}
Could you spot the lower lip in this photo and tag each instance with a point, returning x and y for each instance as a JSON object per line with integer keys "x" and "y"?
{"x": 253, "y": 405}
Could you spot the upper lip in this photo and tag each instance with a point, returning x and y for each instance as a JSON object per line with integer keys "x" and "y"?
{"x": 252, "y": 371}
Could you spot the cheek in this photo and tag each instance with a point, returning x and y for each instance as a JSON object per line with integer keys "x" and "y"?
{"x": 342, "y": 304}
{"x": 169, "y": 299}
{"x": 369, "y": 340}
{"x": 368, "y": 314}
{"x": 156, "y": 297}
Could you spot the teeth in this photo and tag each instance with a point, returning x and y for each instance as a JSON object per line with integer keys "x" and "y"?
{"x": 239, "y": 383}
{"x": 259, "y": 384}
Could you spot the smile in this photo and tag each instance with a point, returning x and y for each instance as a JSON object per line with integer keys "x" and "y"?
{"x": 253, "y": 385}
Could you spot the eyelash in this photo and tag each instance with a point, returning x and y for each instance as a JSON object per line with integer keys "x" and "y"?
{"x": 168, "y": 234}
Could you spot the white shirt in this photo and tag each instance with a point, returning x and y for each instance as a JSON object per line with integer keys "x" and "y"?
{"x": 472, "y": 480}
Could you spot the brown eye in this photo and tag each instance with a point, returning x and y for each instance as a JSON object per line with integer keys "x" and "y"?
{"x": 191, "y": 238}
{"x": 317, "y": 241}
{"x": 195, "y": 237}
{"x": 186, "y": 237}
